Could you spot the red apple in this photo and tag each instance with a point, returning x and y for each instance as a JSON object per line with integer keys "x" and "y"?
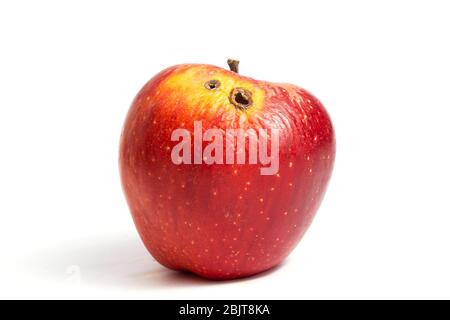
{"x": 198, "y": 212}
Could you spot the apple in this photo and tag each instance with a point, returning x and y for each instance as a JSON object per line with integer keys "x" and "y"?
{"x": 222, "y": 173}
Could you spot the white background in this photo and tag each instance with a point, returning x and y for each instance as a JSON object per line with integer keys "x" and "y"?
{"x": 69, "y": 71}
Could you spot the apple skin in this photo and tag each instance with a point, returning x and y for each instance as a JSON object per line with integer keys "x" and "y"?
{"x": 223, "y": 221}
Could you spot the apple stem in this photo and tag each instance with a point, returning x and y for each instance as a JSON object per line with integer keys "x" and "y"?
{"x": 234, "y": 65}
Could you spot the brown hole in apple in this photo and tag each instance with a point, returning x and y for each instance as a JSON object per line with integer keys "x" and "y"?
{"x": 241, "y": 98}
{"x": 212, "y": 84}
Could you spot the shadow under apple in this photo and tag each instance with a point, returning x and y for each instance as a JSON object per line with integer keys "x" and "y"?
{"x": 115, "y": 261}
